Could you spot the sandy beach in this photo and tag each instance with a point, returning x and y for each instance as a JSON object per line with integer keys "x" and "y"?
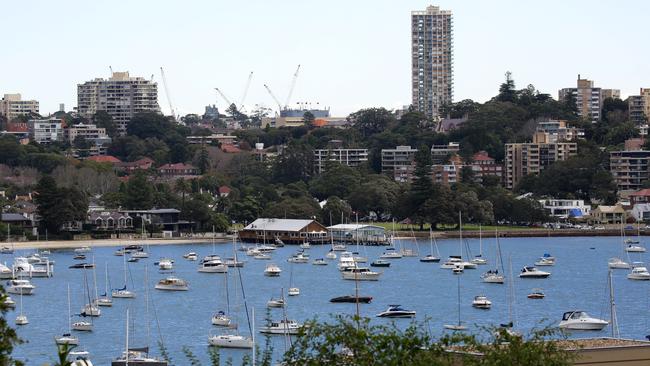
{"x": 71, "y": 244}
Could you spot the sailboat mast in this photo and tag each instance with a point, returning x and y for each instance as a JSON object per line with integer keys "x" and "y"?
{"x": 460, "y": 231}
{"x": 95, "y": 279}
{"x": 146, "y": 304}
{"x": 69, "y": 311}
{"x": 480, "y": 240}
{"x": 458, "y": 300}
{"x": 612, "y": 307}
{"x": 227, "y": 294}
{"x": 126, "y": 356}
{"x": 253, "y": 334}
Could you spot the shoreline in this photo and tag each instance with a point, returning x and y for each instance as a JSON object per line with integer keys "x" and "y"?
{"x": 72, "y": 244}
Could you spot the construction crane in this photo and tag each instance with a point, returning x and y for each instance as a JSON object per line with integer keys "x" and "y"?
{"x": 274, "y": 97}
{"x": 224, "y": 96}
{"x": 243, "y": 97}
{"x": 293, "y": 85}
{"x": 169, "y": 99}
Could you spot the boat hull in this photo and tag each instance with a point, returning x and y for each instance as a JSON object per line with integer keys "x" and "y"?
{"x": 352, "y": 299}
{"x": 171, "y": 288}
{"x": 583, "y": 325}
{"x": 231, "y": 341}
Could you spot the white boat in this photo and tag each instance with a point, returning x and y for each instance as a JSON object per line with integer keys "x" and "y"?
{"x": 82, "y": 326}
{"x": 459, "y": 325}
{"x": 140, "y": 254}
{"x": 5, "y": 272}
{"x": 396, "y": 311}
{"x": 278, "y": 242}
{"x": 251, "y": 252}
{"x": 136, "y": 357}
{"x": 264, "y": 248}
{"x": 104, "y": 300}
{"x": 165, "y": 264}
{"x": 346, "y": 261}
{"x": 68, "y": 339}
{"x": 305, "y": 245}
{"x": 319, "y": 262}
{"x": 360, "y": 274}
{"x": 532, "y": 272}
{"x": 19, "y": 287}
{"x": 21, "y": 319}
{"x": 232, "y": 262}
{"x": 618, "y": 263}
{"x": 275, "y": 303}
{"x": 213, "y": 266}
{"x": 451, "y": 263}
{"x": 123, "y": 293}
{"x": 635, "y": 248}
{"x": 330, "y": 255}
{"x": 459, "y": 269}
{"x": 391, "y": 253}
{"x": 284, "y": 326}
{"x": 639, "y": 274}
{"x": 221, "y": 319}
{"x": 262, "y": 256}
{"x": 22, "y": 268}
{"x": 83, "y": 249}
{"x": 231, "y": 341}
{"x": 120, "y": 252}
{"x": 359, "y": 259}
{"x": 191, "y": 256}
{"x": 339, "y": 247}
{"x": 544, "y": 262}
{"x": 9, "y": 302}
{"x": 580, "y": 320}
{"x": 90, "y": 310}
{"x": 493, "y": 276}
{"x": 172, "y": 283}
{"x": 481, "y": 302}
{"x": 293, "y": 291}
{"x": 272, "y": 270}
{"x": 298, "y": 258}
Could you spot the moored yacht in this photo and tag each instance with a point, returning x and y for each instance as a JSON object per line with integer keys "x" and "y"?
{"x": 351, "y": 299}
{"x": 165, "y": 264}
{"x": 275, "y": 303}
{"x": 635, "y": 248}
{"x": 5, "y": 272}
{"x": 66, "y": 338}
{"x": 90, "y": 310}
{"x": 544, "y": 262}
{"x": 221, "y": 319}
{"x": 580, "y": 320}
{"x": 319, "y": 262}
{"x": 272, "y": 270}
{"x": 137, "y": 357}
{"x": 82, "y": 326}
{"x": 122, "y": 293}
{"x": 231, "y": 341}
{"x": 360, "y": 274}
{"x": 430, "y": 258}
{"x": 191, "y": 256}
{"x": 283, "y": 326}
{"x": 481, "y": 302}
{"x": 391, "y": 253}
{"x": 172, "y": 283}
{"x": 532, "y": 272}
{"x": 19, "y": 287}
{"x": 639, "y": 273}
{"x": 330, "y": 254}
{"x": 452, "y": 262}
{"x": 396, "y": 311}
{"x": 213, "y": 266}
{"x": 493, "y": 276}
{"x": 617, "y": 263}
{"x": 298, "y": 258}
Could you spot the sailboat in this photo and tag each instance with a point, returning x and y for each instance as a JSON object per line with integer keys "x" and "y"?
{"x": 459, "y": 325}
{"x": 616, "y": 262}
{"x": 431, "y": 258}
{"x": 510, "y": 294}
{"x": 68, "y": 338}
{"x": 21, "y": 319}
{"x": 293, "y": 291}
{"x": 493, "y": 275}
{"x": 89, "y": 309}
{"x": 123, "y": 293}
{"x": 141, "y": 253}
{"x": 136, "y": 356}
{"x": 104, "y": 300}
{"x": 222, "y": 318}
{"x": 478, "y": 259}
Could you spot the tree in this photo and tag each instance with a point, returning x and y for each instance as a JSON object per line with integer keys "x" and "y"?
{"x": 47, "y": 202}
{"x": 308, "y": 119}
{"x": 507, "y": 90}
{"x": 138, "y": 192}
{"x": 372, "y": 120}
{"x": 421, "y": 187}
{"x": 378, "y": 194}
{"x": 335, "y": 210}
{"x": 295, "y": 163}
{"x": 104, "y": 120}
{"x": 8, "y": 337}
{"x": 337, "y": 179}
{"x": 203, "y": 161}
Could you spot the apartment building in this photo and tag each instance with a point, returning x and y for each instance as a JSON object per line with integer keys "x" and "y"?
{"x": 589, "y": 99}
{"x": 532, "y": 157}
{"x": 121, "y": 96}
{"x": 483, "y": 165}
{"x": 88, "y": 132}
{"x": 398, "y": 162}
{"x": 12, "y": 106}
{"x": 350, "y": 157}
{"x": 629, "y": 168}
{"x": 46, "y": 131}
{"x": 639, "y": 107}
{"x": 441, "y": 153}
{"x": 558, "y": 131}
{"x": 431, "y": 59}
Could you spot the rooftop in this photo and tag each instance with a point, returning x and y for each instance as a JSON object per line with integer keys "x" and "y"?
{"x": 278, "y": 224}
{"x": 104, "y": 159}
{"x": 353, "y": 227}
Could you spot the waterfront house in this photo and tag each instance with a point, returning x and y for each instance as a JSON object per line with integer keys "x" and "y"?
{"x": 640, "y": 196}
{"x": 290, "y": 231}
{"x": 16, "y": 219}
{"x": 110, "y": 220}
{"x": 565, "y": 209}
{"x": 641, "y": 212}
{"x": 166, "y": 218}
{"x": 362, "y": 233}
{"x": 608, "y": 215}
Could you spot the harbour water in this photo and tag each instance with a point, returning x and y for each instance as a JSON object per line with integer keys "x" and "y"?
{"x": 578, "y": 281}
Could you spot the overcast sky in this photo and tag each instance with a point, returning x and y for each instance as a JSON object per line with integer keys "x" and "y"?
{"x": 354, "y": 53}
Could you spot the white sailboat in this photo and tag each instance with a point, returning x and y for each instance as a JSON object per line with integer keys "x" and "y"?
{"x": 104, "y": 299}
{"x": 478, "y": 259}
{"x": 493, "y": 275}
{"x": 67, "y": 338}
{"x": 293, "y": 291}
{"x": 89, "y": 309}
{"x": 459, "y": 325}
{"x": 21, "y": 319}
{"x": 123, "y": 293}
{"x": 617, "y": 262}
{"x": 431, "y": 257}
{"x": 222, "y": 318}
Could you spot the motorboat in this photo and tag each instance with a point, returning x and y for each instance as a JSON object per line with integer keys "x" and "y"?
{"x": 123, "y": 293}
{"x": 21, "y": 319}
{"x": 23, "y": 268}
{"x": 536, "y": 293}
{"x": 285, "y": 326}
{"x": 459, "y": 269}
{"x": 133, "y": 248}
{"x": 172, "y": 283}
{"x": 90, "y": 310}
{"x": 631, "y": 241}
{"x": 232, "y": 262}
{"x": 37, "y": 259}
{"x": 330, "y": 255}
{"x": 580, "y": 320}
{"x": 635, "y": 248}
{"x": 165, "y": 264}
{"x": 220, "y": 319}
{"x": 79, "y": 257}
{"x": 430, "y": 258}
{"x": 82, "y": 266}
{"x": 139, "y": 254}
{"x": 19, "y": 287}
{"x": 120, "y": 252}
{"x": 639, "y": 274}
{"x": 468, "y": 265}
{"x": 455, "y": 327}
{"x": 272, "y": 270}
{"x": 266, "y": 248}
{"x": 319, "y": 262}
{"x": 451, "y": 263}
{"x": 339, "y": 247}
{"x": 262, "y": 256}
{"x": 544, "y": 262}
{"x": 231, "y": 341}
{"x": 618, "y": 263}
{"x": 82, "y": 326}
{"x": 360, "y": 274}
{"x": 493, "y": 276}
{"x": 352, "y": 299}
{"x": 380, "y": 263}
{"x": 278, "y": 242}
{"x": 305, "y": 245}
{"x": 251, "y": 252}
{"x": 104, "y": 301}
{"x": 293, "y": 291}
{"x": 67, "y": 338}
{"x": 275, "y": 303}
{"x": 132, "y": 260}
{"x": 409, "y": 253}
{"x": 5, "y": 272}
{"x": 396, "y": 311}
{"x": 346, "y": 261}
{"x": 391, "y": 253}
{"x": 83, "y": 249}
{"x": 213, "y": 266}
{"x": 532, "y": 272}
{"x": 6, "y": 250}
{"x": 479, "y": 260}
{"x": 481, "y": 302}
{"x": 9, "y": 302}
{"x": 298, "y": 258}
{"x": 548, "y": 257}
{"x": 137, "y": 357}
{"x": 358, "y": 258}
{"x": 191, "y": 256}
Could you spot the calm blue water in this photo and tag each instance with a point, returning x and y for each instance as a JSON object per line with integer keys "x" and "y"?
{"x": 578, "y": 280}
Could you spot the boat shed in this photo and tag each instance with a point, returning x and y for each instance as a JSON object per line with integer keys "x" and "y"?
{"x": 290, "y": 231}
{"x": 363, "y": 233}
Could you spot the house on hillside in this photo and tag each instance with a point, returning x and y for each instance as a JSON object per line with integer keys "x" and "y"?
{"x": 290, "y": 231}
{"x": 224, "y": 191}
{"x": 141, "y": 164}
{"x": 110, "y": 220}
{"x": 640, "y": 196}
{"x": 641, "y": 212}
{"x": 167, "y": 218}
{"x": 178, "y": 170}
{"x": 608, "y": 215}
{"x": 104, "y": 159}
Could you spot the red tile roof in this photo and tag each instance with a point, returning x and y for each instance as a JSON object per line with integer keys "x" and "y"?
{"x": 104, "y": 159}
{"x": 482, "y": 155}
{"x": 230, "y": 148}
{"x": 177, "y": 166}
{"x": 224, "y": 189}
{"x": 643, "y": 192}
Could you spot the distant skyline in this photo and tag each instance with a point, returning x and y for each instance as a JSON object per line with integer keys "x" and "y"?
{"x": 354, "y": 54}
